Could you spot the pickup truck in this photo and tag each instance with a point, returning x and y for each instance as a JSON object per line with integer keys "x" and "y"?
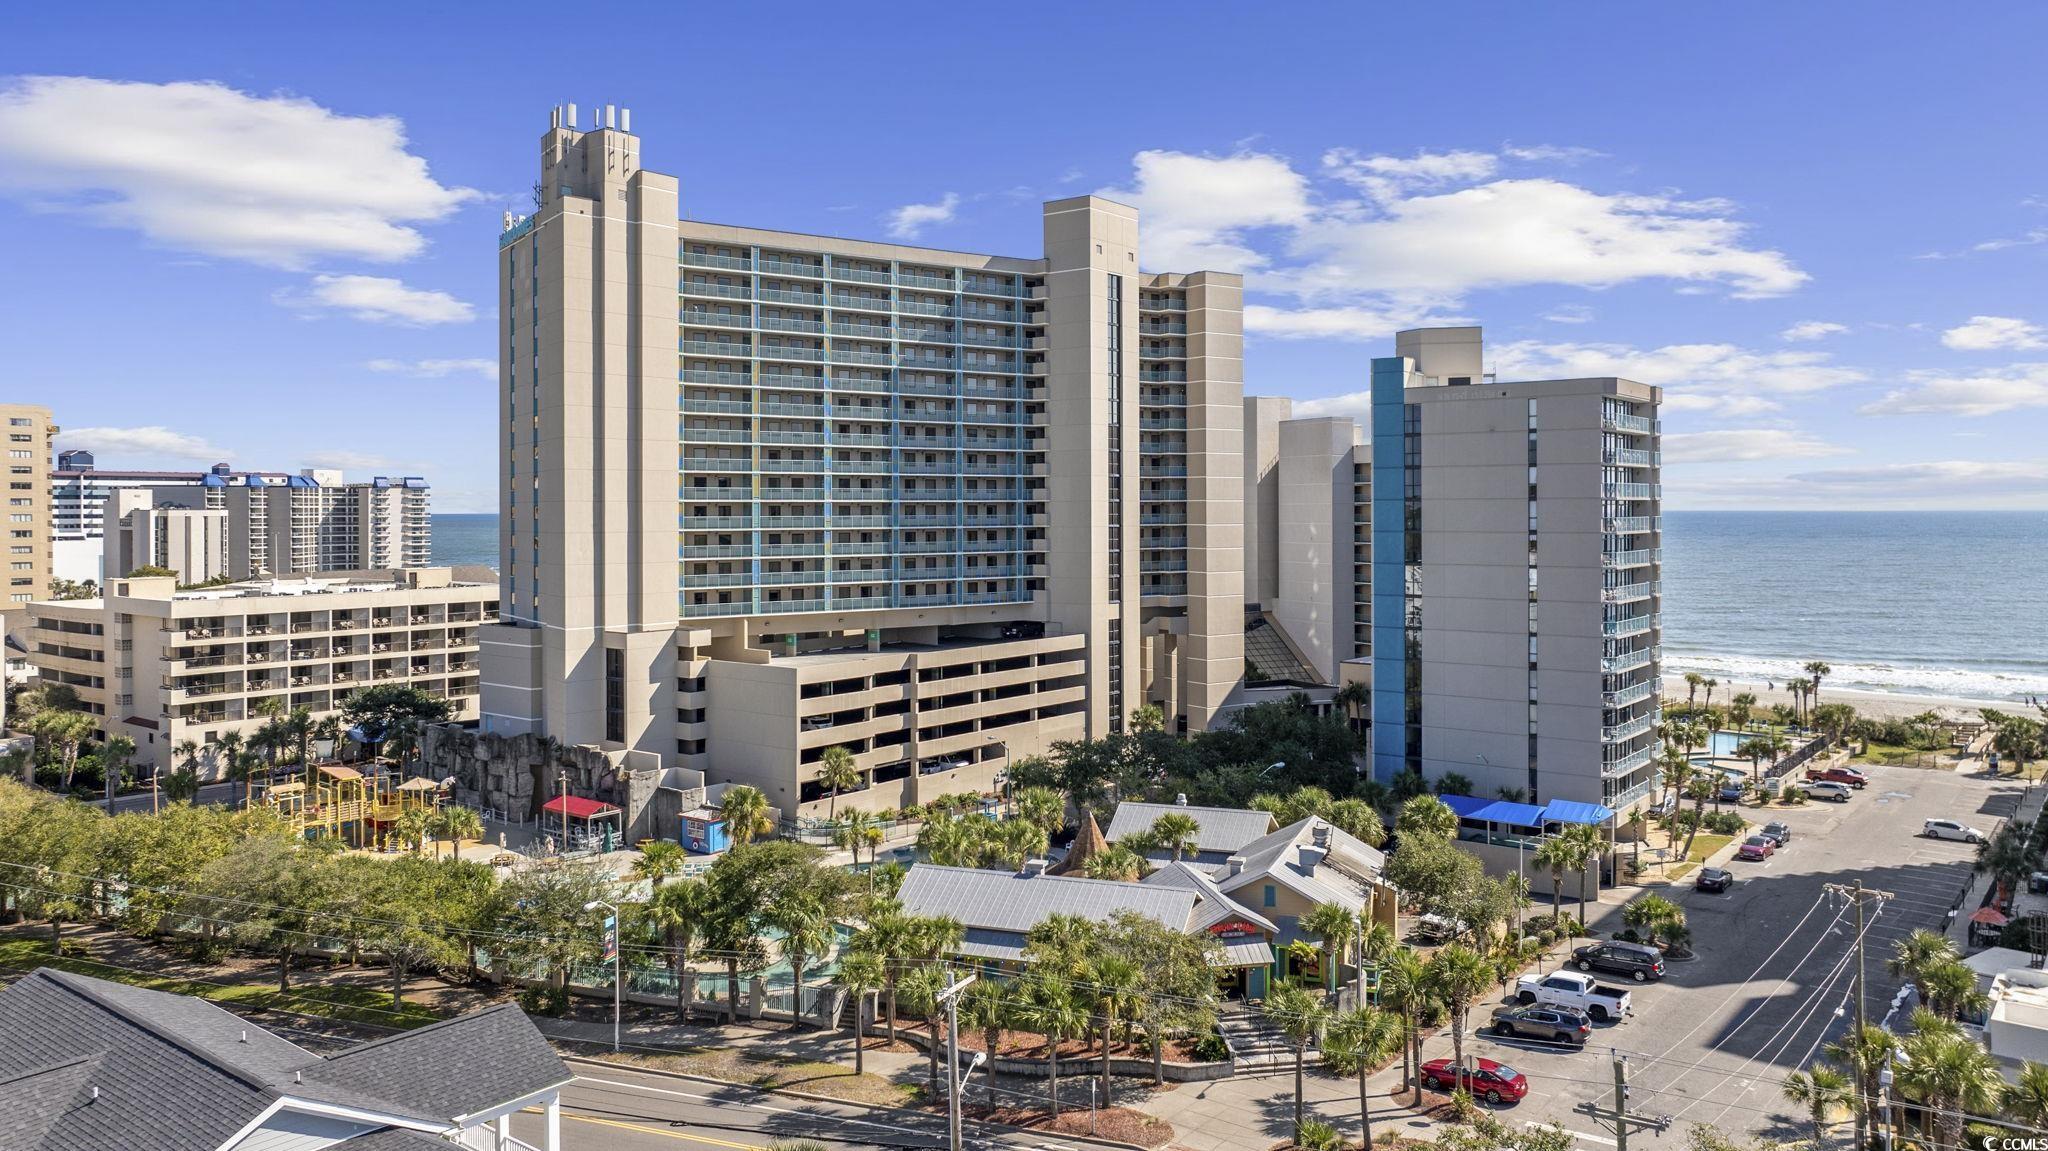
{"x": 1581, "y": 993}
{"x": 1838, "y": 774}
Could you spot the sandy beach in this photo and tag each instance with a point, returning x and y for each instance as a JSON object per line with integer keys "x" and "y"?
{"x": 1881, "y": 704}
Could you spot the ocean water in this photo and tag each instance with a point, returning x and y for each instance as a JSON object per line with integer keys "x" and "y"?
{"x": 1932, "y": 603}
{"x": 466, "y": 539}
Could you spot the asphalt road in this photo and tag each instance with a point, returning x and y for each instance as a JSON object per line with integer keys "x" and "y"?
{"x": 211, "y": 793}
{"x": 611, "y": 1107}
{"x": 1775, "y": 967}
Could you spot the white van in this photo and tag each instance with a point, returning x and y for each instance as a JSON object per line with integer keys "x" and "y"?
{"x": 1827, "y": 789}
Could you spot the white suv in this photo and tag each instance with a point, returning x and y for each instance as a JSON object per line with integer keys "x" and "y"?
{"x": 1827, "y": 789}
{"x": 1950, "y": 829}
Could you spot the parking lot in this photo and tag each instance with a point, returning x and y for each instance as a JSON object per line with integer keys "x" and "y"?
{"x": 1774, "y": 970}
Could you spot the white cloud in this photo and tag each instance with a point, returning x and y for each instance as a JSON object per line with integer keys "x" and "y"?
{"x": 1713, "y": 369}
{"x": 1379, "y": 234}
{"x": 153, "y": 442}
{"x": 1729, "y": 445}
{"x": 348, "y": 461}
{"x": 1986, "y": 333}
{"x": 909, "y": 221}
{"x": 1931, "y": 477}
{"x": 1198, "y": 209}
{"x": 1353, "y": 404}
{"x": 1812, "y": 330}
{"x": 201, "y": 167}
{"x": 379, "y": 299}
{"x": 1356, "y": 323}
{"x": 1720, "y": 404}
{"x": 437, "y": 369}
{"x": 1986, "y": 393}
{"x": 1570, "y": 314}
{"x": 1553, "y": 153}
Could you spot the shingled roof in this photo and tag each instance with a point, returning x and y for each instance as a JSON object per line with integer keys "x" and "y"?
{"x": 87, "y": 1065}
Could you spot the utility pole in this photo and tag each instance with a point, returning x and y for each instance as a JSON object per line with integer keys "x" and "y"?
{"x": 951, "y": 998}
{"x": 1617, "y": 1118}
{"x": 1859, "y": 893}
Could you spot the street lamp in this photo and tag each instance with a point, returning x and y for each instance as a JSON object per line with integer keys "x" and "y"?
{"x": 611, "y": 946}
{"x": 1271, "y": 768}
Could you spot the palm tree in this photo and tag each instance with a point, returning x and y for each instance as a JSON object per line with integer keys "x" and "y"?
{"x": 298, "y": 728}
{"x": 188, "y": 751}
{"x": 1404, "y": 986}
{"x": 1043, "y": 806}
{"x": 1117, "y": 983}
{"x": 115, "y": 753}
{"x": 745, "y": 812}
{"x": 859, "y": 973}
{"x": 1301, "y": 1017}
{"x": 851, "y": 833}
{"x": 2027, "y": 1099}
{"x": 1755, "y": 750}
{"x": 1699, "y": 789}
{"x": 1677, "y": 773}
{"x": 1586, "y": 849}
{"x": 1119, "y": 862}
{"x": 837, "y": 772}
{"x": 923, "y": 989}
{"x": 1741, "y": 708}
{"x": 456, "y": 824}
{"x": 986, "y": 1007}
{"x": 1951, "y": 1075}
{"x": 413, "y": 826}
{"x": 890, "y": 937}
{"x": 1175, "y": 832}
{"x": 1428, "y": 816}
{"x": 1352, "y": 697}
{"x": 1359, "y": 1041}
{"x": 1334, "y": 924}
{"x": 1866, "y": 1053}
{"x": 65, "y": 732}
{"x": 1556, "y": 855}
{"x": 659, "y": 859}
{"x": 1916, "y": 953}
{"x": 1458, "y": 974}
{"x": 1820, "y": 1089}
{"x": 1059, "y": 1014}
{"x": 1950, "y": 989}
{"x": 1816, "y": 671}
{"x": 1693, "y": 680}
{"x": 806, "y": 924}
{"x": 679, "y": 910}
{"x": 227, "y": 750}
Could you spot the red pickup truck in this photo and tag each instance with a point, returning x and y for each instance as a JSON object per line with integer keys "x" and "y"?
{"x": 1848, "y": 775}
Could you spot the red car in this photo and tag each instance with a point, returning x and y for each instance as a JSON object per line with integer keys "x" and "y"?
{"x": 1493, "y": 1082}
{"x": 1756, "y": 847}
{"x": 1848, "y": 775}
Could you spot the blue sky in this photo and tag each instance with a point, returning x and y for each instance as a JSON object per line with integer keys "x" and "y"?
{"x": 268, "y": 237}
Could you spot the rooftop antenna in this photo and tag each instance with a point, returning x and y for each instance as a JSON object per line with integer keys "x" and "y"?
{"x": 625, "y": 119}
{"x": 572, "y": 116}
{"x": 611, "y": 116}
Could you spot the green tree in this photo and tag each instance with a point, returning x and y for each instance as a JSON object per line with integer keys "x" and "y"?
{"x": 746, "y": 814}
{"x": 1920, "y": 951}
{"x": 413, "y": 826}
{"x": 1586, "y": 846}
{"x": 1116, "y": 982}
{"x": 411, "y": 899}
{"x": 1118, "y": 862}
{"x": 1950, "y": 1074}
{"x": 1357, "y": 819}
{"x": 270, "y": 894}
{"x": 679, "y": 910}
{"x": 1439, "y": 877}
{"x": 986, "y": 1007}
{"x": 381, "y": 711}
{"x": 1042, "y": 806}
{"x": 1426, "y": 815}
{"x": 837, "y": 772}
{"x": 860, "y": 972}
{"x": 804, "y": 912}
{"x": 1358, "y": 1042}
{"x": 2027, "y": 1099}
{"x": 1334, "y": 924}
{"x": 658, "y": 860}
{"x": 545, "y": 924}
{"x": 115, "y": 753}
{"x": 456, "y": 824}
{"x": 1457, "y": 974}
{"x": 1740, "y": 708}
{"x": 1058, "y": 1014}
{"x": 64, "y": 732}
{"x": 1866, "y": 1052}
{"x": 1301, "y": 1016}
{"x": 1175, "y": 833}
{"x": 1816, "y": 671}
{"x": 1820, "y": 1089}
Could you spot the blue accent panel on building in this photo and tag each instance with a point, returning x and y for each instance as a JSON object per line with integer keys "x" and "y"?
{"x": 1389, "y": 582}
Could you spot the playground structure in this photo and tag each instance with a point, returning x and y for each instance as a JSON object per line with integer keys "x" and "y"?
{"x": 335, "y": 800}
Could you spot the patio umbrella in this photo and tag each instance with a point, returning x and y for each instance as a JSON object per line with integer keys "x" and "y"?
{"x": 1990, "y": 916}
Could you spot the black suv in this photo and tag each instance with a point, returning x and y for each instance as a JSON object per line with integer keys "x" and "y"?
{"x": 1637, "y": 961}
{"x": 1549, "y": 1024}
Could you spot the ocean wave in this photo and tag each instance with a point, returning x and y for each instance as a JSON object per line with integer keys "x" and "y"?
{"x": 1929, "y": 680}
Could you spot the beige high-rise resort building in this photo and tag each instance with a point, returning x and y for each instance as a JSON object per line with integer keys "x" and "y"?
{"x": 935, "y": 507}
{"x": 30, "y": 438}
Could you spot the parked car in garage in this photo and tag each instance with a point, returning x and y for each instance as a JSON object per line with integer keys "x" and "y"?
{"x": 1950, "y": 829}
{"x": 1714, "y": 879}
{"x": 1488, "y": 1080}
{"x": 1756, "y": 847}
{"x": 1549, "y": 1024}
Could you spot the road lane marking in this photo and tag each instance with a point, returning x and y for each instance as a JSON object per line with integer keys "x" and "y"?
{"x": 1601, "y": 1139}
{"x": 659, "y": 1131}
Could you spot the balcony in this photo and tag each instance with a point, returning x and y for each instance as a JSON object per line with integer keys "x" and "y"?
{"x": 1628, "y": 491}
{"x": 1629, "y": 593}
{"x": 1622, "y": 697}
{"x": 1628, "y": 730}
{"x": 771, "y": 266}
{"x": 924, "y": 282}
{"x": 1629, "y": 762}
{"x": 862, "y": 275}
{"x": 1629, "y": 525}
{"x": 1637, "y": 424}
{"x": 708, "y": 260}
{"x": 1628, "y": 661}
{"x": 1631, "y": 458}
{"x": 1641, "y": 557}
{"x": 1634, "y": 625}
{"x": 723, "y": 291}
{"x": 701, "y": 610}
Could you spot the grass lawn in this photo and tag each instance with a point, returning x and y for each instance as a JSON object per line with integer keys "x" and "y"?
{"x": 1706, "y": 845}
{"x": 736, "y": 1066}
{"x": 349, "y": 1004}
{"x": 1894, "y": 755}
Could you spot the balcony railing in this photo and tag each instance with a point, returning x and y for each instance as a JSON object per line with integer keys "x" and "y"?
{"x": 1622, "y": 697}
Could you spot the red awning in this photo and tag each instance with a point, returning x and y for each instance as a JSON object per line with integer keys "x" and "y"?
{"x": 1990, "y": 915}
{"x": 578, "y": 807}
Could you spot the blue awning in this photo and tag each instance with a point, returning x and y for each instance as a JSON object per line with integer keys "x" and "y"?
{"x": 1465, "y": 805}
{"x": 1572, "y": 811}
{"x": 1494, "y": 810}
